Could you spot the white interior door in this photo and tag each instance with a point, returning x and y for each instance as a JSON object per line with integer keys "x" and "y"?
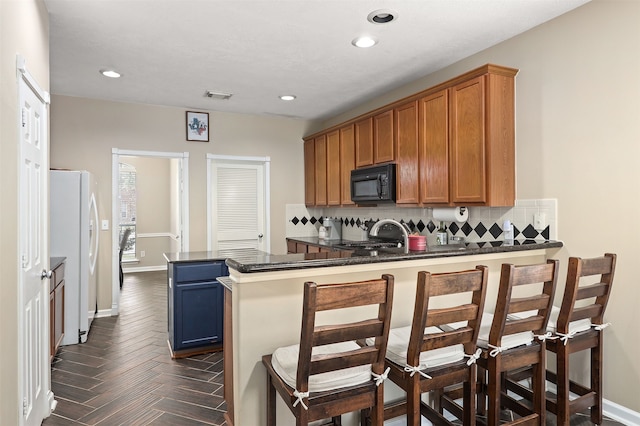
{"x": 239, "y": 204}
{"x": 34, "y": 258}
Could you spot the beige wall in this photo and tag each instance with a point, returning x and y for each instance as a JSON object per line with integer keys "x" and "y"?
{"x": 84, "y": 131}
{"x": 154, "y": 209}
{"x": 578, "y": 140}
{"x": 33, "y": 45}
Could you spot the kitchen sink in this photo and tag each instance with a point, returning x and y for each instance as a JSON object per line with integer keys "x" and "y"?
{"x": 369, "y": 245}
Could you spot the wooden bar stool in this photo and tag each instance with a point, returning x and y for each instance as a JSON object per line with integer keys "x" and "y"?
{"x": 510, "y": 343}
{"x": 328, "y": 374}
{"x": 423, "y": 358}
{"x": 578, "y": 325}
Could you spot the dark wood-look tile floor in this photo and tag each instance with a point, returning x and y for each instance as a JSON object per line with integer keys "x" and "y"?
{"x": 124, "y": 374}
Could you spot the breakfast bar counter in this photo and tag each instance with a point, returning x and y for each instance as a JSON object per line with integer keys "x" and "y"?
{"x": 263, "y": 305}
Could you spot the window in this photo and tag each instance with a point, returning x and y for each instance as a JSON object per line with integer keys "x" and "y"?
{"x": 128, "y": 200}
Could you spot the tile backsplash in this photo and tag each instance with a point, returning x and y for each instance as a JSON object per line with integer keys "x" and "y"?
{"x": 484, "y": 223}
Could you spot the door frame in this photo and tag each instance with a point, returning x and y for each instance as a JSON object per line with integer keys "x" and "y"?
{"x": 115, "y": 210}
{"x": 262, "y": 161}
{"x": 24, "y": 76}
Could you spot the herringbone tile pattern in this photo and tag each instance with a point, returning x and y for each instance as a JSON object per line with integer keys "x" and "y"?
{"x": 124, "y": 374}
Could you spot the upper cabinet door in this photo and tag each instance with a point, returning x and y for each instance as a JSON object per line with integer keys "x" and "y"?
{"x": 468, "y": 162}
{"x": 347, "y": 162}
{"x": 383, "y": 137}
{"x": 406, "y": 155}
{"x": 333, "y": 168}
{"x": 364, "y": 142}
{"x": 434, "y": 148}
{"x": 309, "y": 172}
{"x": 321, "y": 170}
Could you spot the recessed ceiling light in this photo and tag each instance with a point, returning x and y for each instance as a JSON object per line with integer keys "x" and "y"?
{"x": 110, "y": 73}
{"x": 287, "y": 97}
{"x": 382, "y": 16}
{"x": 364, "y": 41}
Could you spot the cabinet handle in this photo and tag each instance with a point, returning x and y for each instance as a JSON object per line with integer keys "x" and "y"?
{"x": 260, "y": 235}
{"x": 46, "y": 274}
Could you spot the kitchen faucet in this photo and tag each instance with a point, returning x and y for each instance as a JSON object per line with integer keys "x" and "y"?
{"x": 403, "y": 227}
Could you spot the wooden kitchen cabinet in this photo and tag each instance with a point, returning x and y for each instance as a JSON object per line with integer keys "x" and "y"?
{"x": 347, "y": 163}
{"x": 195, "y": 307}
{"x": 364, "y": 142}
{"x": 321, "y": 170}
{"x": 56, "y": 305}
{"x": 309, "y": 172}
{"x": 454, "y": 144}
{"x": 434, "y": 148}
{"x": 383, "y": 137}
{"x": 406, "y": 147}
{"x": 333, "y": 168}
{"x": 482, "y": 139}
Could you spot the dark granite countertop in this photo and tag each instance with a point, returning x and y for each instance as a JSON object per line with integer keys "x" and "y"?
{"x": 264, "y": 262}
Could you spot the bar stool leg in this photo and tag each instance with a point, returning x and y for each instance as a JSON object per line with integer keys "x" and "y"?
{"x": 596, "y": 382}
{"x": 539, "y": 386}
{"x": 562, "y": 383}
{"x": 271, "y": 402}
{"x": 493, "y": 390}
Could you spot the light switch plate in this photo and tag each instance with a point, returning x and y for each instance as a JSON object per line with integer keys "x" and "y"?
{"x": 539, "y": 221}
{"x": 105, "y": 225}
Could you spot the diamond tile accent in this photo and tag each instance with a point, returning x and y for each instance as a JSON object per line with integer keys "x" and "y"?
{"x": 466, "y": 229}
{"x": 420, "y": 226}
{"x": 545, "y": 233}
{"x": 304, "y": 220}
{"x": 431, "y": 227}
{"x": 530, "y": 232}
{"x": 495, "y": 230}
{"x": 295, "y": 220}
{"x": 313, "y": 220}
{"x": 480, "y": 229}
{"x": 453, "y": 228}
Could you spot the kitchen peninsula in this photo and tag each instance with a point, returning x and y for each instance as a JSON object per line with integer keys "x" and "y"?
{"x": 263, "y": 304}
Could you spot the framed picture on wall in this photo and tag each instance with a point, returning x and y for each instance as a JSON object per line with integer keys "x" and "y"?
{"x": 198, "y": 126}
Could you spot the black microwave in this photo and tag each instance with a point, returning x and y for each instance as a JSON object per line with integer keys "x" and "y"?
{"x": 374, "y": 185}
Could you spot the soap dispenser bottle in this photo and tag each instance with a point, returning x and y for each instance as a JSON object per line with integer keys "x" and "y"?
{"x": 507, "y": 231}
{"x": 441, "y": 236}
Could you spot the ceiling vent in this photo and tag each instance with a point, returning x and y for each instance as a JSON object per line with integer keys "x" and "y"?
{"x": 217, "y": 95}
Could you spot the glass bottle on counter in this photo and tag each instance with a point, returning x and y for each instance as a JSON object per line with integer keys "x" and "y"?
{"x": 441, "y": 235}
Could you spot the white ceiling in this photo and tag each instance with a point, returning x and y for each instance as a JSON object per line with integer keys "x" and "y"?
{"x": 171, "y": 51}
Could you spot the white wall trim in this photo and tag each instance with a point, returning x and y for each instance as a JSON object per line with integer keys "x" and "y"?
{"x": 610, "y": 409}
{"x": 21, "y": 66}
{"x": 238, "y": 158}
{"x": 157, "y": 235}
{"x": 144, "y": 269}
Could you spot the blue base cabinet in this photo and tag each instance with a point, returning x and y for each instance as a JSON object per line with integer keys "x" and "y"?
{"x": 195, "y": 306}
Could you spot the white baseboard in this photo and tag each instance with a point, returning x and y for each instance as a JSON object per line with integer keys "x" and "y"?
{"x": 102, "y": 313}
{"x": 621, "y": 414}
{"x": 145, "y": 269}
{"x": 612, "y": 410}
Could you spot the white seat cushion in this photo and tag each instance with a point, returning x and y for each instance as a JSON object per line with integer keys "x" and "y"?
{"x": 285, "y": 362}
{"x": 574, "y": 326}
{"x": 399, "y": 343}
{"x": 508, "y": 342}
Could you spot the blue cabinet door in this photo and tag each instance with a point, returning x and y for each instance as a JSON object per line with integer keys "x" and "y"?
{"x": 198, "y": 308}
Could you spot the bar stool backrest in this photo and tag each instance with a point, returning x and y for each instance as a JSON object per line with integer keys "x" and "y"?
{"x": 431, "y": 286}
{"x": 578, "y": 268}
{"x": 525, "y": 275}
{"x": 326, "y": 297}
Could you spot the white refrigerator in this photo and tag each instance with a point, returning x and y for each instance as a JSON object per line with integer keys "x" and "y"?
{"x": 74, "y": 235}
